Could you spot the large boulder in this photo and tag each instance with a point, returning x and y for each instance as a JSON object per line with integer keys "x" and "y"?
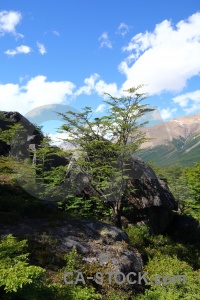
{"x": 150, "y": 200}
{"x": 97, "y": 242}
{"x": 31, "y": 136}
{"x": 31, "y": 140}
{"x": 101, "y": 243}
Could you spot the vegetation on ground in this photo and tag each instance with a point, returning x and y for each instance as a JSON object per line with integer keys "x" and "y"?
{"x": 31, "y": 269}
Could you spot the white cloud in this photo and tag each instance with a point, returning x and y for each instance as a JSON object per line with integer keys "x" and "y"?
{"x": 89, "y": 86}
{"x": 167, "y": 113}
{"x": 37, "y": 92}
{"x": 101, "y": 87}
{"x": 190, "y": 102}
{"x": 55, "y": 32}
{"x": 100, "y": 108}
{"x": 41, "y": 48}
{"x": 165, "y": 58}
{"x": 95, "y": 85}
{"x": 18, "y": 50}
{"x": 8, "y": 22}
{"x": 123, "y": 29}
{"x": 105, "y": 41}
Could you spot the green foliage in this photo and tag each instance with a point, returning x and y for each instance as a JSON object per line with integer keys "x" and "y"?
{"x": 23, "y": 281}
{"x": 164, "y": 257}
{"x": 169, "y": 285}
{"x": 152, "y": 246}
{"x": 193, "y": 178}
{"x": 184, "y": 184}
{"x": 15, "y": 136}
{"x": 41, "y": 179}
{"x": 105, "y": 144}
{"x": 185, "y": 152}
{"x": 6, "y": 165}
{"x": 15, "y": 272}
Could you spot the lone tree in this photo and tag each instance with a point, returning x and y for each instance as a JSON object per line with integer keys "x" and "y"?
{"x": 104, "y": 145}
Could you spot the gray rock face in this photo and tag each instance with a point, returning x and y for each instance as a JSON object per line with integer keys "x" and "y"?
{"x": 150, "y": 202}
{"x": 31, "y": 140}
{"x": 32, "y": 135}
{"x": 102, "y": 243}
{"x": 96, "y": 241}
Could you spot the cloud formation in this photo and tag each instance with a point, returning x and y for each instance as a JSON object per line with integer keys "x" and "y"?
{"x": 37, "y": 91}
{"x": 89, "y": 86}
{"x": 23, "y": 49}
{"x": 123, "y": 29}
{"x": 55, "y": 32}
{"x": 167, "y": 113}
{"x": 41, "y": 48}
{"x": 94, "y": 84}
{"x": 100, "y": 108}
{"x": 190, "y": 102}
{"x": 105, "y": 41}
{"x": 8, "y": 22}
{"x": 166, "y": 58}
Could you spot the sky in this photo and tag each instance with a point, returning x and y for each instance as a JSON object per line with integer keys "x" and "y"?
{"x": 70, "y": 52}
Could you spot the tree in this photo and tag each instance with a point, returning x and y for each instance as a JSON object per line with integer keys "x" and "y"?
{"x": 105, "y": 144}
{"x": 16, "y": 137}
{"x": 193, "y": 176}
{"x": 49, "y": 175}
{"x": 15, "y": 271}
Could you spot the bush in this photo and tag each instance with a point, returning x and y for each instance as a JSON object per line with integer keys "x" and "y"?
{"x": 15, "y": 272}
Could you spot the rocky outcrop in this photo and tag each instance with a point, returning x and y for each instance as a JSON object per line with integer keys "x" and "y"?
{"x": 96, "y": 241}
{"x": 150, "y": 200}
{"x": 102, "y": 243}
{"x": 31, "y": 136}
{"x": 31, "y": 140}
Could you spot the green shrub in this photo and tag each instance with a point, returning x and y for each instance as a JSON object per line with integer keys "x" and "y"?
{"x": 15, "y": 272}
{"x": 171, "y": 287}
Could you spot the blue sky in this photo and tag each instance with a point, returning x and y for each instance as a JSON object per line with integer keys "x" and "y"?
{"x": 70, "y": 52}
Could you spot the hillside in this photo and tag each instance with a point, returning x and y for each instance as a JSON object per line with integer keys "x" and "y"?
{"x": 174, "y": 142}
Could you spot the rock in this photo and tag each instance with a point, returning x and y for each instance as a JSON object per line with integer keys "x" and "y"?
{"x": 32, "y": 135}
{"x": 150, "y": 191}
{"x": 32, "y": 140}
{"x": 52, "y": 161}
{"x": 97, "y": 242}
{"x": 150, "y": 202}
{"x": 184, "y": 229}
{"x": 101, "y": 243}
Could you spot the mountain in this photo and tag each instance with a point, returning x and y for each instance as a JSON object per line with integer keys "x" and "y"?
{"x": 173, "y": 142}
{"x": 66, "y": 146}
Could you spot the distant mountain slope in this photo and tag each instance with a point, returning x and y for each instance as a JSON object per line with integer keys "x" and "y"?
{"x": 66, "y": 146}
{"x": 174, "y": 142}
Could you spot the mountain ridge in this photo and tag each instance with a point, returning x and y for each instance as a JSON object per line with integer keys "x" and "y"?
{"x": 184, "y": 126}
{"x": 176, "y": 141}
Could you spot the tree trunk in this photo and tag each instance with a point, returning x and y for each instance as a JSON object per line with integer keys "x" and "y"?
{"x": 117, "y": 216}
